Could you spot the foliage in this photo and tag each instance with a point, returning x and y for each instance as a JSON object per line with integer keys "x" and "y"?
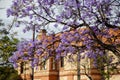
{"x": 7, "y": 44}
{"x": 8, "y": 73}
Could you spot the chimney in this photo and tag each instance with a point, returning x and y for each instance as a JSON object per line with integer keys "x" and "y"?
{"x": 72, "y": 29}
{"x": 42, "y": 34}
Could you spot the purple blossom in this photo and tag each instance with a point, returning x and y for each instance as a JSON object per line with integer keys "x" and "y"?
{"x": 39, "y": 52}
{"x": 25, "y": 58}
{"x": 56, "y": 25}
{"x": 65, "y": 27}
{"x": 24, "y": 31}
{"x": 17, "y": 24}
{"x": 68, "y": 14}
{"x": 85, "y": 32}
{"x": 44, "y": 12}
{"x": 29, "y": 8}
{"x": 51, "y": 1}
{"x": 15, "y": 3}
{"x": 15, "y": 65}
{"x": 9, "y": 12}
{"x": 59, "y": 18}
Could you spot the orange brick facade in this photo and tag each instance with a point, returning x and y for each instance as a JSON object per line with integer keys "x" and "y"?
{"x": 62, "y": 70}
{"x": 66, "y": 72}
{"x": 60, "y": 73}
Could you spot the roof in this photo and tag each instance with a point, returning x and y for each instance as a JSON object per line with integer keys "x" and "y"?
{"x": 113, "y": 38}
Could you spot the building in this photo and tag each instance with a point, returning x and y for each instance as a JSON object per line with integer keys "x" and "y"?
{"x": 64, "y": 69}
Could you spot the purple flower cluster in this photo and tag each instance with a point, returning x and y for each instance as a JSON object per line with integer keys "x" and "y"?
{"x": 91, "y": 20}
{"x": 25, "y": 51}
{"x": 72, "y": 12}
{"x": 70, "y": 43}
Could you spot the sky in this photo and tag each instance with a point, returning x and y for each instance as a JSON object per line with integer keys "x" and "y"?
{"x": 4, "y": 5}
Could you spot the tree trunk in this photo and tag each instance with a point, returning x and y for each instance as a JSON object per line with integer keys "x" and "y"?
{"x": 32, "y": 75}
{"x": 78, "y": 67}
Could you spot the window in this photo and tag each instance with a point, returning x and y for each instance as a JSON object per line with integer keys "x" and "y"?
{"x": 21, "y": 67}
{"x": 43, "y": 64}
{"x": 62, "y": 62}
{"x": 53, "y": 63}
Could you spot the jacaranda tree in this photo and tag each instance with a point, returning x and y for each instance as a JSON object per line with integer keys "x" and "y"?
{"x": 97, "y": 19}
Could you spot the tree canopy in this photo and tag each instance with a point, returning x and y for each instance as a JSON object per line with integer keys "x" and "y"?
{"x": 7, "y": 47}
{"x": 95, "y": 23}
{"x": 98, "y": 16}
{"x": 13, "y": 74}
